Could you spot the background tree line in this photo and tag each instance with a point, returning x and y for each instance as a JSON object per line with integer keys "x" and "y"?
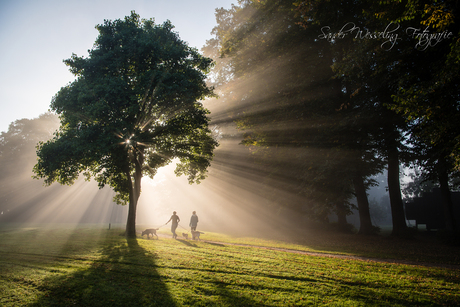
{"x": 23, "y": 199}
{"x": 322, "y": 115}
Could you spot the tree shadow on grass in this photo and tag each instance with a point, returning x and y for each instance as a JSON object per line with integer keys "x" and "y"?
{"x": 185, "y": 242}
{"x": 125, "y": 275}
{"x": 215, "y": 244}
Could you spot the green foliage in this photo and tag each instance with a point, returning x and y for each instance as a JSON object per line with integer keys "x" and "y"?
{"x": 134, "y": 107}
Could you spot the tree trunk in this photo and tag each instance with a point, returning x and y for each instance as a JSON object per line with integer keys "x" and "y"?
{"x": 365, "y": 226}
{"x": 135, "y": 192}
{"x": 447, "y": 204}
{"x": 132, "y": 206}
{"x": 394, "y": 190}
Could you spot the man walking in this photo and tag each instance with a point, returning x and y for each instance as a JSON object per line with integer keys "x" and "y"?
{"x": 193, "y": 221}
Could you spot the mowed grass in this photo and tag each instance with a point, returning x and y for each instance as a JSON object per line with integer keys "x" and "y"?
{"x": 90, "y": 266}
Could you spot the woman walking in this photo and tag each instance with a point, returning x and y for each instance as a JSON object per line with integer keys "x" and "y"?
{"x": 175, "y": 221}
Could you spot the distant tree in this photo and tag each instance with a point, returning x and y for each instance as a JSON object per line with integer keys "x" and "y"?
{"x": 379, "y": 210}
{"x": 435, "y": 169}
{"x": 134, "y": 107}
{"x": 418, "y": 185}
{"x": 17, "y": 145}
{"x": 17, "y": 155}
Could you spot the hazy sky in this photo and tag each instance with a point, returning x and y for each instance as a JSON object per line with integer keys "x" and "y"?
{"x": 36, "y": 35}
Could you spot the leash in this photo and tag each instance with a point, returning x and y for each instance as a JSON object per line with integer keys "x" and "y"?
{"x": 177, "y": 225}
{"x": 161, "y": 226}
{"x": 183, "y": 227}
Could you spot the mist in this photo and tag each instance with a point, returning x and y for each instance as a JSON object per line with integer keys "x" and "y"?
{"x": 226, "y": 201}
{"x": 235, "y": 198}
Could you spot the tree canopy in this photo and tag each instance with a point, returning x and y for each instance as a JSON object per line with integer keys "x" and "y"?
{"x": 133, "y": 108}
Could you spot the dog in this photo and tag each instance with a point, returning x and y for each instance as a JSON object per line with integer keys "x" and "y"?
{"x": 196, "y": 235}
{"x": 151, "y": 231}
{"x": 185, "y": 235}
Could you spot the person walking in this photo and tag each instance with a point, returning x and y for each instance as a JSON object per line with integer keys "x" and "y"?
{"x": 193, "y": 221}
{"x": 175, "y": 222}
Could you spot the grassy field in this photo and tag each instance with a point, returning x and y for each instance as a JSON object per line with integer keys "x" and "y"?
{"x": 91, "y": 266}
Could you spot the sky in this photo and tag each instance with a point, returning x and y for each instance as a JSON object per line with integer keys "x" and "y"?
{"x": 37, "y": 35}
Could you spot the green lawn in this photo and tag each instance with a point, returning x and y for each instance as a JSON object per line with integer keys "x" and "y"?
{"x": 90, "y": 266}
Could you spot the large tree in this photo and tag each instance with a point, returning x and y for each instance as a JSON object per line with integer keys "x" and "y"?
{"x": 133, "y": 108}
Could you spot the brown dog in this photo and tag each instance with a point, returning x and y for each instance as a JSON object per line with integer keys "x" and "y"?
{"x": 185, "y": 235}
{"x": 151, "y": 231}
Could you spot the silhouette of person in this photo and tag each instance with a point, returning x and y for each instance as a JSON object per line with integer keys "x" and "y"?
{"x": 193, "y": 221}
{"x": 175, "y": 221}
